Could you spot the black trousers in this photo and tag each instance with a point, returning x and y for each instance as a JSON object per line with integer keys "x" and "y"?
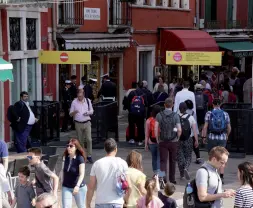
{"x": 139, "y": 122}
{"x": 66, "y": 118}
{"x": 196, "y": 150}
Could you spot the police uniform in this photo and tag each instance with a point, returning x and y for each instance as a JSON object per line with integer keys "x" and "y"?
{"x": 67, "y": 98}
{"x": 108, "y": 90}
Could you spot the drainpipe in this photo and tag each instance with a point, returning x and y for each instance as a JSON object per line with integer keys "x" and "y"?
{"x": 54, "y": 23}
{"x": 197, "y": 14}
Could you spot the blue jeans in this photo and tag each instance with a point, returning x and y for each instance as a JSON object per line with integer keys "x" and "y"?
{"x": 80, "y": 197}
{"x": 155, "y": 157}
{"x": 214, "y": 143}
{"x": 108, "y": 206}
{"x": 21, "y": 139}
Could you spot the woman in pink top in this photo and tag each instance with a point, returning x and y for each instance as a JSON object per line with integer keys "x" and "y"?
{"x": 152, "y": 138}
{"x": 150, "y": 200}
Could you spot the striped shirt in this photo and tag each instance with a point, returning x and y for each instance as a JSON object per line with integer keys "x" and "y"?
{"x": 244, "y": 197}
{"x": 212, "y": 136}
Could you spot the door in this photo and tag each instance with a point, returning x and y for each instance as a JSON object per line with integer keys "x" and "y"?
{"x": 114, "y": 72}
{"x": 143, "y": 65}
{"x": 64, "y": 75}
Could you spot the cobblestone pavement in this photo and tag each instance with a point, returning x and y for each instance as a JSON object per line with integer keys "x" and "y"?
{"x": 230, "y": 173}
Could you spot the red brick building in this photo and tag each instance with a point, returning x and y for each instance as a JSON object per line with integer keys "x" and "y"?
{"x": 24, "y": 30}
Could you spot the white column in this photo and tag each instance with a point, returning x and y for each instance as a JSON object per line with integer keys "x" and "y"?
{"x": 24, "y": 86}
{"x": 185, "y": 4}
{"x": 242, "y": 64}
{"x": 165, "y": 3}
{"x": 153, "y": 3}
{"x": 38, "y": 81}
{"x": 73, "y": 69}
{"x": 175, "y": 3}
{"x": 139, "y": 2}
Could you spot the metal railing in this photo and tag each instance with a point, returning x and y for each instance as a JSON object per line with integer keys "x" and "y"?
{"x": 233, "y": 24}
{"x": 120, "y": 13}
{"x": 71, "y": 13}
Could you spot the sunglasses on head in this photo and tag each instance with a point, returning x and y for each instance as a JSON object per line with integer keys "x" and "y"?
{"x": 70, "y": 145}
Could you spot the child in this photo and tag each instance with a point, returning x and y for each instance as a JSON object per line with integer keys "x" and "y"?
{"x": 43, "y": 175}
{"x": 166, "y": 199}
{"x": 150, "y": 200}
{"x": 24, "y": 193}
{"x": 151, "y": 138}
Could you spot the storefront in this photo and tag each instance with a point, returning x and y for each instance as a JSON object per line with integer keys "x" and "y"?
{"x": 106, "y": 56}
{"x": 184, "y": 40}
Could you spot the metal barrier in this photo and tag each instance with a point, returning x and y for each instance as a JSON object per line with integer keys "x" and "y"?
{"x": 236, "y": 106}
{"x": 104, "y": 120}
{"x": 240, "y": 139}
{"x": 48, "y": 113}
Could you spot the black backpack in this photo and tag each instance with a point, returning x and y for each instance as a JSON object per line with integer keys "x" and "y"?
{"x": 200, "y": 101}
{"x": 192, "y": 200}
{"x": 186, "y": 128}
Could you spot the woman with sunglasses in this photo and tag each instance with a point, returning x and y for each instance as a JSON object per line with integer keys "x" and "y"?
{"x": 73, "y": 175}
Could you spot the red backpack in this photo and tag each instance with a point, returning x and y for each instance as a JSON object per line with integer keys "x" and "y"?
{"x": 231, "y": 98}
{"x": 152, "y": 130}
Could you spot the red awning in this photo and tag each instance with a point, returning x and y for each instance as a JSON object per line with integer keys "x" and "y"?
{"x": 187, "y": 40}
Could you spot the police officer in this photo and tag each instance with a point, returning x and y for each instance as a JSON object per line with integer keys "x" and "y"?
{"x": 108, "y": 90}
{"x": 66, "y": 94}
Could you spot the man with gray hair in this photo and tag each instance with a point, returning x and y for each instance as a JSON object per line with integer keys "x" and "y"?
{"x": 170, "y": 127}
{"x": 46, "y": 200}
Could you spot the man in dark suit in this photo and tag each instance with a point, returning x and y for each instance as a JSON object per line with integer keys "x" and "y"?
{"x": 108, "y": 90}
{"x": 24, "y": 122}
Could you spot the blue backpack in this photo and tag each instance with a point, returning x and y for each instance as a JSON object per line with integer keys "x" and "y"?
{"x": 217, "y": 123}
{"x": 138, "y": 105}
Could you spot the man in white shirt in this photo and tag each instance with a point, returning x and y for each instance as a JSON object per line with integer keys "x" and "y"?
{"x": 81, "y": 109}
{"x": 103, "y": 178}
{"x": 24, "y": 122}
{"x": 184, "y": 95}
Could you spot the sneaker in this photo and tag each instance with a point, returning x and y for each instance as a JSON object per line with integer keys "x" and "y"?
{"x": 140, "y": 143}
{"x": 198, "y": 161}
{"x": 90, "y": 160}
{"x": 162, "y": 183}
{"x": 187, "y": 175}
{"x": 131, "y": 141}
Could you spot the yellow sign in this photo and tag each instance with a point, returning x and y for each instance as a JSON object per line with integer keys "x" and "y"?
{"x": 65, "y": 57}
{"x": 193, "y": 58}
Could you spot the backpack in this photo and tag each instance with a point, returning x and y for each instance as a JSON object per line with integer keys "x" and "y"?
{"x": 200, "y": 101}
{"x": 121, "y": 182}
{"x": 192, "y": 200}
{"x": 231, "y": 98}
{"x": 186, "y": 127}
{"x": 137, "y": 105}
{"x": 10, "y": 112}
{"x": 167, "y": 126}
{"x": 152, "y": 130}
{"x": 217, "y": 122}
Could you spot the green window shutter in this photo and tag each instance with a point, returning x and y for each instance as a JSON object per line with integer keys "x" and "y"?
{"x": 250, "y": 12}
{"x": 230, "y": 10}
{"x": 208, "y": 12}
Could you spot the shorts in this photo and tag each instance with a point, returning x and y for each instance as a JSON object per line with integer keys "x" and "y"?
{"x": 214, "y": 143}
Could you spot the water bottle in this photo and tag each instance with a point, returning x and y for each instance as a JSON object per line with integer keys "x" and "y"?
{"x": 189, "y": 189}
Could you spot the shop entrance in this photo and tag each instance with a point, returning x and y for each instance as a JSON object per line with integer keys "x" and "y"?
{"x": 114, "y": 72}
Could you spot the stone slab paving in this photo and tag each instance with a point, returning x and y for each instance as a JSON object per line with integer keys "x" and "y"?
{"x": 230, "y": 174}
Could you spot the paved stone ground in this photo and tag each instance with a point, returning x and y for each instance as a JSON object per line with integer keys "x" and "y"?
{"x": 230, "y": 174}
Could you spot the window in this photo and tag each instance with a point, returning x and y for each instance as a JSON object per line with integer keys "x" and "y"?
{"x": 16, "y": 85}
{"x": 15, "y": 39}
{"x": 31, "y": 34}
{"x": 31, "y": 79}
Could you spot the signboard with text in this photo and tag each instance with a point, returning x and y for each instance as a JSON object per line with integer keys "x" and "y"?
{"x": 91, "y": 13}
{"x": 193, "y": 58}
{"x": 65, "y": 57}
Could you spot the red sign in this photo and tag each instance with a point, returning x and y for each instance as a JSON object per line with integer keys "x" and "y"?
{"x": 64, "y": 57}
{"x": 177, "y": 57}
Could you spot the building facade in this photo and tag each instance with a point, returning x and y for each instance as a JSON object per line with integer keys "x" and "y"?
{"x": 23, "y": 33}
{"x": 230, "y": 23}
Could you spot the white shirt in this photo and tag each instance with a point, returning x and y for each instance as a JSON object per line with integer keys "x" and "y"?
{"x": 105, "y": 171}
{"x": 84, "y": 109}
{"x": 31, "y": 119}
{"x": 182, "y": 96}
